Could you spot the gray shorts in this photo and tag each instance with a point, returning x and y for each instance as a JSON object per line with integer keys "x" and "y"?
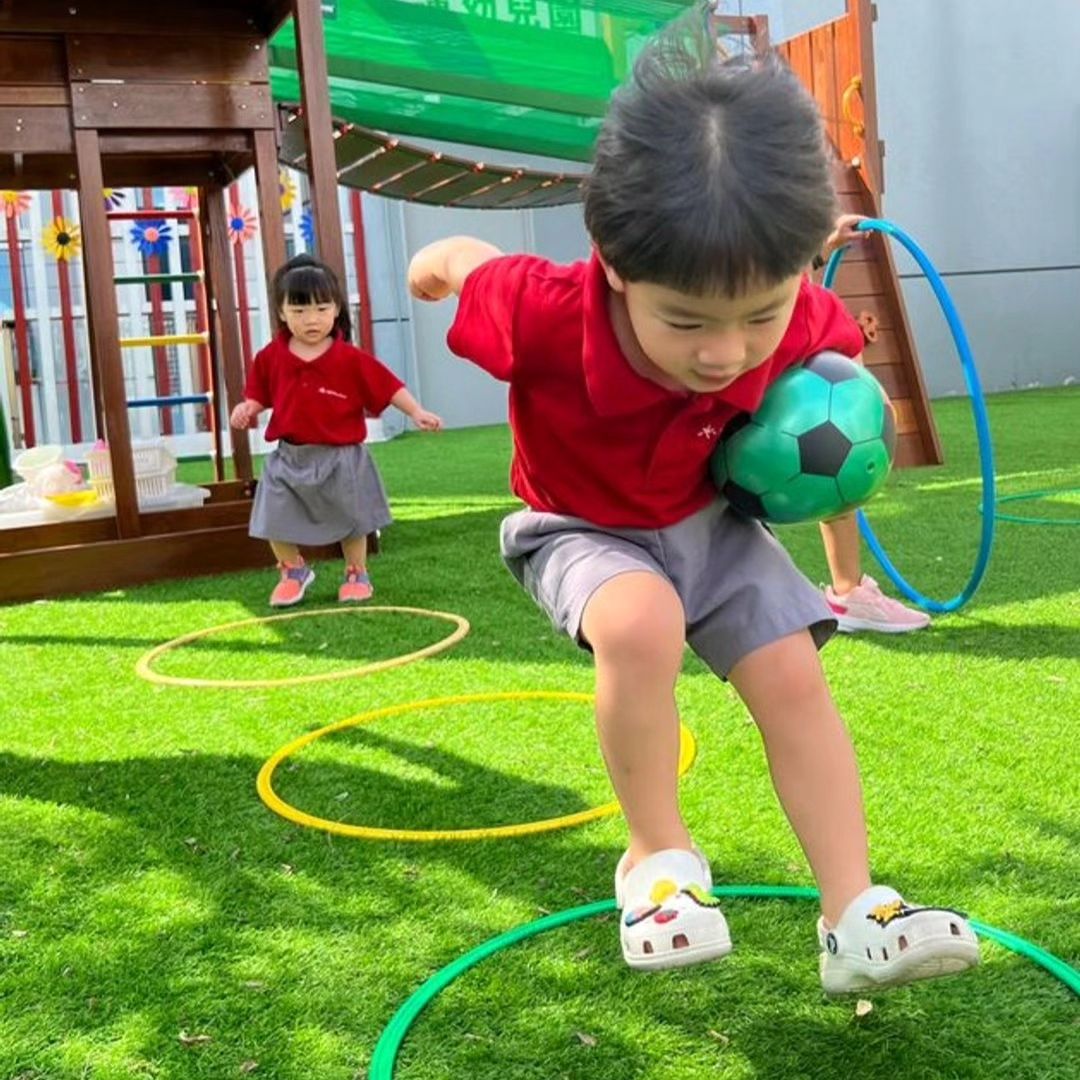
{"x": 738, "y": 586}
{"x": 315, "y": 495}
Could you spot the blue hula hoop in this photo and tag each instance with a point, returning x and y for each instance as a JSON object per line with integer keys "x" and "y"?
{"x": 982, "y": 428}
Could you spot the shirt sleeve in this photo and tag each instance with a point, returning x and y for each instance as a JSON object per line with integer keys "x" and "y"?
{"x": 488, "y": 307}
{"x": 380, "y": 384}
{"x": 257, "y": 386}
{"x": 829, "y": 326}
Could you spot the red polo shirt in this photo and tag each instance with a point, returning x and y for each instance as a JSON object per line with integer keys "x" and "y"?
{"x": 592, "y": 437}
{"x": 322, "y": 400}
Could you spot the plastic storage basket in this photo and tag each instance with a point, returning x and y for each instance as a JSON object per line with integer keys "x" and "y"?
{"x": 155, "y": 471}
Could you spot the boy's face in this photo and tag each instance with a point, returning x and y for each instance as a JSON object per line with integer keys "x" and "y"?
{"x": 704, "y": 343}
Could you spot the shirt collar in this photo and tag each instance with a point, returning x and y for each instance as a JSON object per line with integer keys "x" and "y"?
{"x": 614, "y": 387}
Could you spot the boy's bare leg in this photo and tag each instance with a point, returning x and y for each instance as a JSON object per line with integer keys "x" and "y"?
{"x": 812, "y": 763}
{"x": 635, "y": 625}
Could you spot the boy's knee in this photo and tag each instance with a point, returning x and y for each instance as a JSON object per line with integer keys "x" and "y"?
{"x": 636, "y": 619}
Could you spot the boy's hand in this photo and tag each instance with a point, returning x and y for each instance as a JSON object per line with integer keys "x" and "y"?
{"x": 427, "y": 421}
{"x": 844, "y": 233}
{"x": 425, "y": 281}
{"x": 245, "y": 415}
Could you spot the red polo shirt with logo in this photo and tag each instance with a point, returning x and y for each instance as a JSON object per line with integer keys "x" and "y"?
{"x": 592, "y": 437}
{"x": 322, "y": 400}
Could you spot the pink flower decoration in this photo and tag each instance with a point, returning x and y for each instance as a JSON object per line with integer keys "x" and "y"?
{"x": 242, "y": 225}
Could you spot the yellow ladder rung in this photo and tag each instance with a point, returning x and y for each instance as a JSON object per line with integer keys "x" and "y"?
{"x": 163, "y": 339}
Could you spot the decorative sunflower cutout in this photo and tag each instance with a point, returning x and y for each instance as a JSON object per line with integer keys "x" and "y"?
{"x": 287, "y": 189}
{"x": 15, "y": 202}
{"x": 242, "y": 225}
{"x": 114, "y": 198}
{"x": 61, "y": 239}
{"x": 186, "y": 198}
{"x": 307, "y": 229}
{"x": 151, "y": 237}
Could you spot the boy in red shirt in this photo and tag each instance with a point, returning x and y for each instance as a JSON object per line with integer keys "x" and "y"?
{"x": 710, "y": 195}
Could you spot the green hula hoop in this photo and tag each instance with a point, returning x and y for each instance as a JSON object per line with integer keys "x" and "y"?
{"x": 1032, "y": 496}
{"x": 386, "y": 1049}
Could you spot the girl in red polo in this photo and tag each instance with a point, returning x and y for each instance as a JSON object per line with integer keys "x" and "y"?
{"x": 320, "y": 486}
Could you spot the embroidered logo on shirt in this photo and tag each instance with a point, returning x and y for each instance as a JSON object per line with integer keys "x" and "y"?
{"x": 333, "y": 393}
{"x": 708, "y": 432}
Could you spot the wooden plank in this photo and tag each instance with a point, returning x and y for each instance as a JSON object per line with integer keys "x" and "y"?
{"x": 40, "y": 130}
{"x": 134, "y": 170}
{"x": 28, "y": 97}
{"x": 112, "y": 564}
{"x": 106, "y": 364}
{"x": 201, "y": 144}
{"x": 216, "y": 17}
{"x": 878, "y": 306}
{"x": 319, "y": 132}
{"x": 56, "y": 534}
{"x": 858, "y": 279}
{"x": 26, "y": 59}
{"x": 847, "y": 68}
{"x": 799, "y": 57}
{"x": 909, "y": 453}
{"x": 823, "y": 52}
{"x": 873, "y": 151}
{"x": 172, "y": 106}
{"x": 888, "y": 349}
{"x": 271, "y": 218}
{"x": 892, "y": 377}
{"x": 906, "y": 420}
{"x": 225, "y": 330}
{"x": 177, "y": 58}
{"x": 210, "y": 516}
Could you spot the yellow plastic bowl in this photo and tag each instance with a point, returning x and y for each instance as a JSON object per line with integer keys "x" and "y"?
{"x": 74, "y": 499}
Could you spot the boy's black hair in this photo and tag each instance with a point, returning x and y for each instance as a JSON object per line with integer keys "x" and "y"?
{"x": 306, "y": 280}
{"x": 710, "y": 175}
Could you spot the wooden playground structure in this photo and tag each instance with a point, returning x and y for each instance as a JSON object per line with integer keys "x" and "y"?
{"x": 120, "y": 94}
{"x": 115, "y": 94}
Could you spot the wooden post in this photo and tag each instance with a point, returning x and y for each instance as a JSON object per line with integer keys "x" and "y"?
{"x": 105, "y": 330}
{"x": 271, "y": 218}
{"x": 864, "y": 12}
{"x": 25, "y": 378}
{"x": 227, "y": 348}
{"x": 319, "y": 133}
{"x": 63, "y": 278}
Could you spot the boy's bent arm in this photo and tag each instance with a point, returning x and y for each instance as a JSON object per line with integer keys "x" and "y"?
{"x": 441, "y": 268}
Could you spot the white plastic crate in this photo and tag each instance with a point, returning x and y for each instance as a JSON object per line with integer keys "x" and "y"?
{"x": 155, "y": 471}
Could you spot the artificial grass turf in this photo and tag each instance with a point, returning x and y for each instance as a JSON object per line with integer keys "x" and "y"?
{"x": 157, "y": 920}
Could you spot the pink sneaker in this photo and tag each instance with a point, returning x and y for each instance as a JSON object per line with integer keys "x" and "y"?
{"x": 293, "y": 584}
{"x": 866, "y": 607}
{"x": 356, "y": 587}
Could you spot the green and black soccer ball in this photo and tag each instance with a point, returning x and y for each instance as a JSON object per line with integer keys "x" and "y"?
{"x": 820, "y": 444}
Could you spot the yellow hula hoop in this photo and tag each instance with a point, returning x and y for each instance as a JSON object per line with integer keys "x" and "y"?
{"x": 264, "y": 783}
{"x": 144, "y": 666}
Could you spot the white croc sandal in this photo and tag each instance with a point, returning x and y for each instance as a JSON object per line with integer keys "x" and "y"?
{"x": 881, "y": 941}
{"x": 668, "y": 918}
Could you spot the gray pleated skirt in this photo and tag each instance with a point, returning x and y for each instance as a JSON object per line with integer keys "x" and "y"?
{"x": 318, "y": 495}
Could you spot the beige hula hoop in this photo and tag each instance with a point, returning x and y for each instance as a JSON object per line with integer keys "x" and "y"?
{"x": 144, "y": 666}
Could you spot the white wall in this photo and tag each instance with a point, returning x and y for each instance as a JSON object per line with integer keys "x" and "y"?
{"x": 979, "y": 105}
